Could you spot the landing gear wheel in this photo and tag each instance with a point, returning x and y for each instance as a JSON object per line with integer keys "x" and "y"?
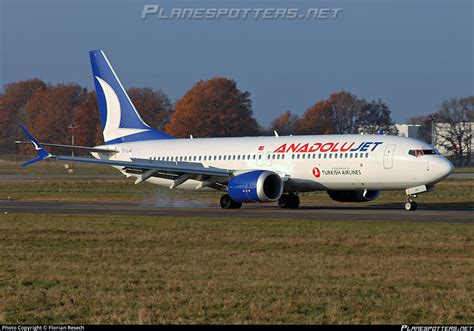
{"x": 410, "y": 205}
{"x": 228, "y": 203}
{"x": 283, "y": 201}
{"x": 293, "y": 201}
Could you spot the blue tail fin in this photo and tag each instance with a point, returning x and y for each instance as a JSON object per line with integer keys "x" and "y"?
{"x": 120, "y": 120}
{"x": 42, "y": 154}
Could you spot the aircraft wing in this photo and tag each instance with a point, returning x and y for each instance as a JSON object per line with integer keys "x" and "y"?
{"x": 179, "y": 172}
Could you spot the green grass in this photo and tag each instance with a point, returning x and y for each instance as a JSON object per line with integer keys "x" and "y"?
{"x": 96, "y": 269}
{"x": 115, "y": 187}
{"x": 53, "y": 167}
{"x": 118, "y": 188}
{"x": 464, "y": 170}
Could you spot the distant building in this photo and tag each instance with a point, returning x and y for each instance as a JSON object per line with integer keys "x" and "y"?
{"x": 408, "y": 130}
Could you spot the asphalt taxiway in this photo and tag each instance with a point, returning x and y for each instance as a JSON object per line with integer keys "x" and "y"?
{"x": 383, "y": 212}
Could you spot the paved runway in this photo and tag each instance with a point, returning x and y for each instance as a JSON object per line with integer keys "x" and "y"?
{"x": 387, "y": 212}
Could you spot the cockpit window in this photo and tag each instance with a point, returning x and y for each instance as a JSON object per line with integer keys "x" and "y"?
{"x": 421, "y": 152}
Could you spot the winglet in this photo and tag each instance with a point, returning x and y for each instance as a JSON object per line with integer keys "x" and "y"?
{"x": 42, "y": 154}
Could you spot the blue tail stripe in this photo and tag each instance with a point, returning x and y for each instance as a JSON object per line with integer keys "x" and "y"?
{"x": 101, "y": 68}
{"x": 129, "y": 117}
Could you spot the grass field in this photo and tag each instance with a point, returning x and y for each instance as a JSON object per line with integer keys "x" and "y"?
{"x": 38, "y": 182}
{"x": 96, "y": 269}
{"x": 91, "y": 269}
{"x": 456, "y": 192}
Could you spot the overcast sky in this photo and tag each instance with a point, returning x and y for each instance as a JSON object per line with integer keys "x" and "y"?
{"x": 411, "y": 54}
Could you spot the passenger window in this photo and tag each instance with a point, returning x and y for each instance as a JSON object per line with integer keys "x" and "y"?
{"x": 366, "y": 155}
{"x": 283, "y": 156}
{"x": 325, "y": 156}
{"x": 330, "y": 156}
{"x": 335, "y": 156}
{"x": 292, "y": 156}
{"x": 254, "y": 156}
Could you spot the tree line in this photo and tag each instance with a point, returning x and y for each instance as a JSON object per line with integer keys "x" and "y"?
{"x": 211, "y": 108}
{"x": 450, "y": 127}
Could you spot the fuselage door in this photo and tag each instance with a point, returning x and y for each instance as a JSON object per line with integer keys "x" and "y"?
{"x": 388, "y": 157}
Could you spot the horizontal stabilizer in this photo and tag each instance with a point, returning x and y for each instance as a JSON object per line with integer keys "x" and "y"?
{"x": 82, "y": 148}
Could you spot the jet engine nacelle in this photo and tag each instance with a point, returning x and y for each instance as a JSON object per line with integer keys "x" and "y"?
{"x": 354, "y": 196}
{"x": 255, "y": 186}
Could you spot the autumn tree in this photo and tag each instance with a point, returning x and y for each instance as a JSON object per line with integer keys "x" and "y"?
{"x": 13, "y": 111}
{"x": 154, "y": 107}
{"x": 344, "y": 113}
{"x": 284, "y": 124}
{"x": 316, "y": 120}
{"x": 50, "y": 111}
{"x": 213, "y": 108}
{"x": 88, "y": 130}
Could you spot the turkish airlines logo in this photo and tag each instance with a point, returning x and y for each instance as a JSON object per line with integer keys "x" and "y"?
{"x": 316, "y": 172}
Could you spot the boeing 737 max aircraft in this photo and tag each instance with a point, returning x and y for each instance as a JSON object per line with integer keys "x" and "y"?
{"x": 351, "y": 168}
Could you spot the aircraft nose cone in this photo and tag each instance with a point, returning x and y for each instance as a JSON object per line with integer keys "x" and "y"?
{"x": 443, "y": 168}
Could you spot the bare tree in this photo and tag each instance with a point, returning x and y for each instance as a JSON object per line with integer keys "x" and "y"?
{"x": 455, "y": 125}
{"x": 375, "y": 116}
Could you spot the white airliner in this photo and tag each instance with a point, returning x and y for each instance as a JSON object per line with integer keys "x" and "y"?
{"x": 351, "y": 168}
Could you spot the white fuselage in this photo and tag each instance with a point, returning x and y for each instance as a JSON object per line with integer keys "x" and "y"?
{"x": 307, "y": 163}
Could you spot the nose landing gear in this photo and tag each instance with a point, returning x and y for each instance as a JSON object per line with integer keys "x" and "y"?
{"x": 411, "y": 205}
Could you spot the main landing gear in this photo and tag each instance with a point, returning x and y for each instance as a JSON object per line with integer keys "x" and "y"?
{"x": 228, "y": 203}
{"x": 290, "y": 200}
{"x": 411, "y": 205}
